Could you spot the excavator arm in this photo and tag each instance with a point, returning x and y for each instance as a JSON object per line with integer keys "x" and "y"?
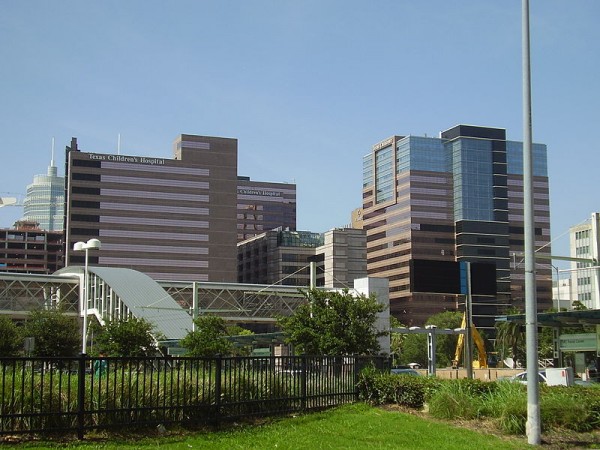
{"x": 461, "y": 342}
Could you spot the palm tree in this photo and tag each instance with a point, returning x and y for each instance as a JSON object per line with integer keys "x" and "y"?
{"x": 510, "y": 338}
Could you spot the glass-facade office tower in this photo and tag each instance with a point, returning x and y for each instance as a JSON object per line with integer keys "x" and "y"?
{"x": 44, "y": 202}
{"x": 458, "y": 197}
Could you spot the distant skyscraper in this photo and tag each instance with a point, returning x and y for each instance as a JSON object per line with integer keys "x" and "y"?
{"x": 455, "y": 198}
{"x": 263, "y": 206}
{"x": 44, "y": 202}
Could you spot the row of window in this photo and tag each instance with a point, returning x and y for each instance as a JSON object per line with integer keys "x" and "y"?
{"x": 470, "y": 158}
{"x": 582, "y": 251}
{"x": 583, "y": 281}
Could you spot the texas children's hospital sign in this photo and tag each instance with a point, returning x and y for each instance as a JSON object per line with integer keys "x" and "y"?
{"x": 128, "y": 159}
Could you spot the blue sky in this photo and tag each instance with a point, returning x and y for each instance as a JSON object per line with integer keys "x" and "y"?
{"x": 307, "y": 87}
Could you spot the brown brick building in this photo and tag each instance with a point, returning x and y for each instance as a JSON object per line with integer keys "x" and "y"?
{"x": 28, "y": 249}
{"x": 173, "y": 219}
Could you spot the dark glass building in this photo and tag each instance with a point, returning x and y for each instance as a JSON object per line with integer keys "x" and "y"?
{"x": 458, "y": 197}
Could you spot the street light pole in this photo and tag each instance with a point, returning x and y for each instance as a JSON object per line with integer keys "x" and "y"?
{"x": 86, "y": 246}
{"x": 533, "y": 426}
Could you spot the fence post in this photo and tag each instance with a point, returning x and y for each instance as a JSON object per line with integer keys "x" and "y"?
{"x": 357, "y": 364}
{"x": 304, "y": 378}
{"x": 218, "y": 369}
{"x": 81, "y": 395}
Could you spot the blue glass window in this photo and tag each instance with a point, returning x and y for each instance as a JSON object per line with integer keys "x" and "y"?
{"x": 473, "y": 179}
{"x": 514, "y": 159}
{"x": 384, "y": 175}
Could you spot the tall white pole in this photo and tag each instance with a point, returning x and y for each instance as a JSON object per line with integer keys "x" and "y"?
{"x": 86, "y": 287}
{"x": 194, "y": 304}
{"x": 533, "y": 405}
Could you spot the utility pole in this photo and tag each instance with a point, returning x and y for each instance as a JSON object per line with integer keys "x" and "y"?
{"x": 533, "y": 391}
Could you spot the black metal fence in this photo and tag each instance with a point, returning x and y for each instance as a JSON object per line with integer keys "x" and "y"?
{"x": 47, "y": 395}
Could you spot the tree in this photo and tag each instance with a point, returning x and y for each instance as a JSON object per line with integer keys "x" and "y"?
{"x": 578, "y": 306}
{"x": 510, "y": 339}
{"x": 334, "y": 323}
{"x": 127, "y": 337}
{"x": 11, "y": 341}
{"x": 414, "y": 350}
{"x": 396, "y": 340}
{"x": 414, "y": 346}
{"x": 54, "y": 333}
{"x": 446, "y": 343}
{"x": 210, "y": 338}
{"x": 240, "y": 349}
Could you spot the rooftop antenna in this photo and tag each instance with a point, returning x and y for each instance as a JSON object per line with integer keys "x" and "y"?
{"x": 52, "y": 170}
{"x": 119, "y": 144}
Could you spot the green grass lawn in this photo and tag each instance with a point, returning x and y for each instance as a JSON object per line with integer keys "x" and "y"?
{"x": 356, "y": 426}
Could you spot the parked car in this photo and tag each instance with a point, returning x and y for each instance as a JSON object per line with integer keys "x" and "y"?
{"x": 522, "y": 378}
{"x": 405, "y": 371}
{"x": 291, "y": 371}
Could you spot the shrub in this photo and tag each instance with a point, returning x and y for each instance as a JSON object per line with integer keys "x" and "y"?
{"x": 379, "y": 388}
{"x": 507, "y": 402}
{"x": 513, "y": 417}
{"x": 456, "y": 399}
{"x": 500, "y": 394}
{"x": 569, "y": 407}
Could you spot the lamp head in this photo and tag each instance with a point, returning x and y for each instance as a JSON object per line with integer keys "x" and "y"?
{"x": 93, "y": 243}
{"x": 78, "y": 246}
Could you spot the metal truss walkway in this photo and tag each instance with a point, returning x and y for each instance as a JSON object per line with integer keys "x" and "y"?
{"x": 117, "y": 293}
{"x": 21, "y": 293}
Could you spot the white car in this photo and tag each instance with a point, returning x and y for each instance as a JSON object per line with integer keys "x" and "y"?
{"x": 522, "y": 378}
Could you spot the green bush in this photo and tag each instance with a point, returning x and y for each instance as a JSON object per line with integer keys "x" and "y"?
{"x": 457, "y": 399}
{"x": 507, "y": 403}
{"x": 380, "y": 388}
{"x": 573, "y": 408}
{"x": 513, "y": 417}
{"x": 501, "y": 394}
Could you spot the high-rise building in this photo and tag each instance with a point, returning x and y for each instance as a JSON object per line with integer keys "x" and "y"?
{"x": 344, "y": 255}
{"x": 283, "y": 257}
{"x": 28, "y": 249}
{"x": 263, "y": 206}
{"x": 455, "y": 198}
{"x": 44, "y": 202}
{"x": 173, "y": 219}
{"x": 585, "y": 245}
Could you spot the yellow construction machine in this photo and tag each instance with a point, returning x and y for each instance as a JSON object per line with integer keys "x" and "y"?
{"x": 482, "y": 362}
